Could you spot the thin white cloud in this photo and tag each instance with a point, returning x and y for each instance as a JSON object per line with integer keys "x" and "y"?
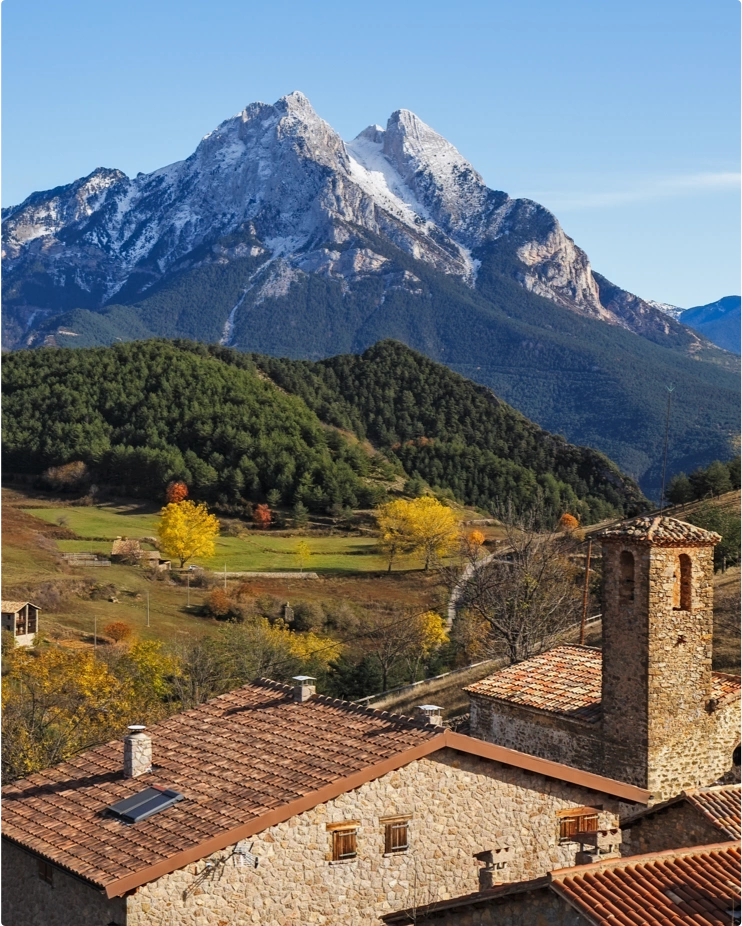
{"x": 659, "y": 188}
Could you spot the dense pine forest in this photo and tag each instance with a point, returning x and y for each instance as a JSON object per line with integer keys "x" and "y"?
{"x": 240, "y": 427}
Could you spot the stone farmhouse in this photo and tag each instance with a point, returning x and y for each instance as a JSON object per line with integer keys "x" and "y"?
{"x": 696, "y": 817}
{"x": 683, "y": 887}
{"x": 273, "y": 805}
{"x": 21, "y": 618}
{"x": 647, "y": 710}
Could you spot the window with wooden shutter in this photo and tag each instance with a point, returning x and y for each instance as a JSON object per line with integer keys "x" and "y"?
{"x": 396, "y": 836}
{"x": 573, "y": 823}
{"x": 344, "y": 844}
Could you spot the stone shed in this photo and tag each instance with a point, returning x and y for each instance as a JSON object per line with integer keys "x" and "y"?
{"x": 273, "y": 805}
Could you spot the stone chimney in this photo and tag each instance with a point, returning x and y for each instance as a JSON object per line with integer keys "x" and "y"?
{"x": 304, "y": 688}
{"x": 137, "y": 752}
{"x": 431, "y": 713}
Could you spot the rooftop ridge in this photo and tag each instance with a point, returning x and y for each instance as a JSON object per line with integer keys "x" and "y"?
{"x": 353, "y": 706}
{"x": 659, "y": 530}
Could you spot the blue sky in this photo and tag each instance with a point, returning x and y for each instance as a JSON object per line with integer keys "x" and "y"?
{"x": 621, "y": 118}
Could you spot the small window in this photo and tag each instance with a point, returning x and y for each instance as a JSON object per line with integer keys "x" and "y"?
{"x": 46, "y": 872}
{"x": 396, "y": 836}
{"x": 344, "y": 844}
{"x": 574, "y": 823}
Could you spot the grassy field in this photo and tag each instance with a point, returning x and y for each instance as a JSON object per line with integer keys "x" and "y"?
{"x": 75, "y": 600}
{"x": 343, "y": 554}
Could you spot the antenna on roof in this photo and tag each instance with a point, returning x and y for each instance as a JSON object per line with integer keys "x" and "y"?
{"x": 670, "y": 390}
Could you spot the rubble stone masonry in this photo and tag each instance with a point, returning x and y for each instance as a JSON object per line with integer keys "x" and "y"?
{"x": 457, "y": 804}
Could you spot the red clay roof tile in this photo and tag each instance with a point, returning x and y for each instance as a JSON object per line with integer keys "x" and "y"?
{"x": 567, "y": 680}
{"x": 698, "y": 886}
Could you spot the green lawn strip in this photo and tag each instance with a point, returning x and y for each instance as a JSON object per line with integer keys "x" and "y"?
{"x": 102, "y": 521}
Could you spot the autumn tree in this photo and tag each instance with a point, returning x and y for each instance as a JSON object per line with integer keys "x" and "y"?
{"x": 303, "y": 554}
{"x": 476, "y": 538}
{"x": 176, "y": 492}
{"x": 395, "y": 530}
{"x": 434, "y": 529}
{"x": 118, "y": 631}
{"x": 393, "y": 637}
{"x": 526, "y": 594}
{"x": 185, "y": 530}
{"x": 423, "y": 526}
{"x": 57, "y": 703}
{"x": 568, "y": 522}
{"x": 262, "y": 516}
{"x": 68, "y": 477}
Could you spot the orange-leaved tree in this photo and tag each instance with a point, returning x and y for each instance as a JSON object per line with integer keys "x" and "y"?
{"x": 176, "y": 492}
{"x": 568, "y": 522}
{"x": 118, "y": 631}
{"x": 262, "y": 516}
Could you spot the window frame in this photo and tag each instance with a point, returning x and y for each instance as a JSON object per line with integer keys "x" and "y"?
{"x": 391, "y": 824}
{"x": 572, "y": 823}
{"x": 339, "y": 832}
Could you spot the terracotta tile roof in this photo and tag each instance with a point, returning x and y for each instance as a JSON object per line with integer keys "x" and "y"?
{"x": 725, "y": 686}
{"x": 564, "y": 680}
{"x": 244, "y": 761}
{"x": 698, "y": 886}
{"x": 12, "y": 607}
{"x": 568, "y": 680}
{"x": 234, "y": 759}
{"x": 658, "y": 530}
{"x": 720, "y": 805}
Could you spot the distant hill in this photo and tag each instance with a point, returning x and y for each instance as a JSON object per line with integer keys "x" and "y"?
{"x": 718, "y": 321}
{"x": 237, "y": 427}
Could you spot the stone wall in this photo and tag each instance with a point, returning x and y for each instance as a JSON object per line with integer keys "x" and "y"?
{"x": 674, "y": 827}
{"x": 535, "y": 908}
{"x": 27, "y": 900}
{"x": 458, "y": 805}
{"x": 538, "y": 733}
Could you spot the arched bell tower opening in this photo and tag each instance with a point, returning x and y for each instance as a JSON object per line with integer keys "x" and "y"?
{"x": 627, "y": 578}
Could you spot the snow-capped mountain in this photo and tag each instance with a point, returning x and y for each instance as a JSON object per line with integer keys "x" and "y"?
{"x": 673, "y": 311}
{"x": 294, "y": 196}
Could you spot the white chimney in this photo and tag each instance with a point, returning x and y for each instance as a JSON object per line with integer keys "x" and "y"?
{"x": 431, "y": 713}
{"x": 304, "y": 689}
{"x": 137, "y": 752}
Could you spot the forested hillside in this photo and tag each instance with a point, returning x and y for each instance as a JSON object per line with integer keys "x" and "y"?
{"x": 143, "y": 413}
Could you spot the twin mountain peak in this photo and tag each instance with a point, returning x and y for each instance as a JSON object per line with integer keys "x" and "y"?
{"x": 277, "y": 236}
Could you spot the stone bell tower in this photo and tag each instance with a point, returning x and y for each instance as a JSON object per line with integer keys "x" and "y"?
{"x": 658, "y": 691}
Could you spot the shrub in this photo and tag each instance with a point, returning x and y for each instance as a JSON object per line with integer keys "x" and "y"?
{"x": 118, "y": 631}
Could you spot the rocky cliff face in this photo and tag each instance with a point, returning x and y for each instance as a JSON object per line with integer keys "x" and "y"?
{"x": 283, "y": 179}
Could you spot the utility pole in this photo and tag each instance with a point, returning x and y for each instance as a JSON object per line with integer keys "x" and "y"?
{"x": 148, "y": 609}
{"x": 584, "y": 593}
{"x": 225, "y": 577}
{"x": 670, "y": 390}
{"x": 95, "y": 633}
{"x": 188, "y": 590}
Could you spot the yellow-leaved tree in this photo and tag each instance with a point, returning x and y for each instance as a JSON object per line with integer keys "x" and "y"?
{"x": 434, "y": 527}
{"x": 395, "y": 529}
{"x": 423, "y": 526}
{"x": 186, "y": 529}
